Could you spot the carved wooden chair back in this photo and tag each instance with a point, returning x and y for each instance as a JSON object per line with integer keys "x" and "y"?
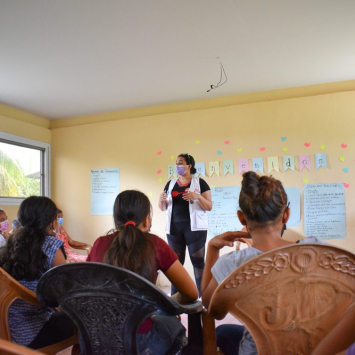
{"x": 11, "y": 290}
{"x": 289, "y": 298}
{"x": 107, "y": 303}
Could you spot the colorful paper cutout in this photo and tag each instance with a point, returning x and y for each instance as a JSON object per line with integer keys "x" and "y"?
{"x": 226, "y": 142}
{"x": 200, "y": 169}
{"x": 344, "y": 145}
{"x": 159, "y": 152}
{"x": 172, "y": 157}
{"x": 304, "y": 161}
{"x": 159, "y": 171}
{"x": 307, "y": 144}
{"x": 321, "y": 160}
{"x": 283, "y": 138}
{"x": 243, "y": 165}
{"x": 262, "y": 149}
{"x": 197, "y": 142}
{"x": 150, "y": 194}
{"x": 239, "y": 150}
{"x": 219, "y": 152}
{"x": 305, "y": 180}
{"x": 322, "y": 146}
{"x": 346, "y": 185}
{"x": 346, "y": 170}
{"x": 285, "y": 149}
{"x": 228, "y": 167}
{"x": 160, "y": 179}
{"x": 342, "y": 158}
{"x": 214, "y": 168}
{"x": 289, "y": 163}
{"x": 258, "y": 165}
{"x": 273, "y": 164}
{"x": 213, "y": 186}
{"x": 172, "y": 171}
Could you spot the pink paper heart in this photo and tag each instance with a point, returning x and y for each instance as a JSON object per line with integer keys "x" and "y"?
{"x": 344, "y": 145}
{"x": 262, "y": 149}
{"x": 346, "y": 185}
{"x": 160, "y": 152}
{"x": 226, "y": 142}
{"x": 159, "y": 171}
{"x": 307, "y": 144}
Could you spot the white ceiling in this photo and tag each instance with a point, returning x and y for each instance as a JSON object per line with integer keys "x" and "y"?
{"x": 61, "y": 58}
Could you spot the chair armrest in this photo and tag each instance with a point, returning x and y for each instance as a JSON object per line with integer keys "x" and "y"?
{"x": 191, "y": 308}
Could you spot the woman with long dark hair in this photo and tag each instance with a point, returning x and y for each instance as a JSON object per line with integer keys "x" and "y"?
{"x": 264, "y": 212}
{"x": 186, "y": 200}
{"x": 29, "y": 253}
{"x": 134, "y": 248}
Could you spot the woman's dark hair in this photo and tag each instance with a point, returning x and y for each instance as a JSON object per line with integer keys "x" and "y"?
{"x": 132, "y": 248}
{"x": 22, "y": 257}
{"x": 59, "y": 211}
{"x": 1, "y": 210}
{"x": 189, "y": 160}
{"x": 262, "y": 199}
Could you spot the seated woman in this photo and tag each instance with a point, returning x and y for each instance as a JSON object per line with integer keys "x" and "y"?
{"x": 62, "y": 235}
{"x": 4, "y": 225}
{"x": 264, "y": 212}
{"x": 29, "y": 253}
{"x": 134, "y": 248}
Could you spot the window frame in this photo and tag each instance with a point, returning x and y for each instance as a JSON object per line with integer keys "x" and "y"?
{"x": 45, "y": 149}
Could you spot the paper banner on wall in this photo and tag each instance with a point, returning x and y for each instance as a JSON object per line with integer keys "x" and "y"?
{"x": 258, "y": 165}
{"x": 273, "y": 164}
{"x": 214, "y": 168}
{"x": 228, "y": 167}
{"x": 304, "y": 161}
{"x": 200, "y": 169}
{"x": 172, "y": 171}
{"x": 294, "y": 198}
{"x": 243, "y": 165}
{"x": 105, "y": 186}
{"x": 289, "y": 162}
{"x": 321, "y": 160}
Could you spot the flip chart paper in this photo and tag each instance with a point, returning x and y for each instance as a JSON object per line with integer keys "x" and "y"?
{"x": 294, "y": 198}
{"x": 214, "y": 168}
{"x": 228, "y": 167}
{"x": 258, "y": 164}
{"x": 223, "y": 216}
{"x": 324, "y": 211}
{"x": 105, "y": 186}
{"x": 200, "y": 169}
{"x": 289, "y": 163}
{"x": 321, "y": 160}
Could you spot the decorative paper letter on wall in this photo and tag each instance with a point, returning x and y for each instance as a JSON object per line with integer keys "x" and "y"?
{"x": 321, "y": 160}
{"x": 172, "y": 171}
{"x": 258, "y": 165}
{"x": 304, "y": 161}
{"x": 200, "y": 169}
{"x": 243, "y": 165}
{"x": 228, "y": 167}
{"x": 273, "y": 164}
{"x": 214, "y": 168}
{"x": 289, "y": 163}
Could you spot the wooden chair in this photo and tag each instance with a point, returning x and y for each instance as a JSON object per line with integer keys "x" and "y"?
{"x": 108, "y": 304}
{"x": 288, "y": 298}
{"x": 8, "y": 348}
{"x": 10, "y": 290}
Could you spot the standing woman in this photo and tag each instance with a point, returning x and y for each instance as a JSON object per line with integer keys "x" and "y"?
{"x": 187, "y": 200}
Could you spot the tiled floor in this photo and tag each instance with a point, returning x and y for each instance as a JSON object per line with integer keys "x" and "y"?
{"x": 229, "y": 319}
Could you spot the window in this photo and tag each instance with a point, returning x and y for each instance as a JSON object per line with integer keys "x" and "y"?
{"x": 24, "y": 169}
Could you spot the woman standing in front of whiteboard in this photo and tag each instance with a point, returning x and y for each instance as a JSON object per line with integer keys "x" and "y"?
{"x": 187, "y": 200}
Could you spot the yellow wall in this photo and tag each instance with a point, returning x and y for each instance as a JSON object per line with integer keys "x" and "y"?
{"x": 22, "y": 124}
{"x": 132, "y": 144}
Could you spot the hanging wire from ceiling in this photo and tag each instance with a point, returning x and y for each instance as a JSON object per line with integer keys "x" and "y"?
{"x": 223, "y": 79}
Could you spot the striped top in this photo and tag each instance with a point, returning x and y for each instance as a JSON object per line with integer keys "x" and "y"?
{"x": 26, "y": 319}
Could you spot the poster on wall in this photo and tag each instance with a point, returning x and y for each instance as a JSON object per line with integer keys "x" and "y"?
{"x": 324, "y": 211}
{"x": 105, "y": 186}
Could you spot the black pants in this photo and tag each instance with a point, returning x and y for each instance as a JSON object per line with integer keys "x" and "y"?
{"x": 59, "y": 327}
{"x": 181, "y": 236}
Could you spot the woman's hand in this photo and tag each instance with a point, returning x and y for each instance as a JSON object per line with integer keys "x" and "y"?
{"x": 163, "y": 196}
{"x": 227, "y": 239}
{"x": 190, "y": 196}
